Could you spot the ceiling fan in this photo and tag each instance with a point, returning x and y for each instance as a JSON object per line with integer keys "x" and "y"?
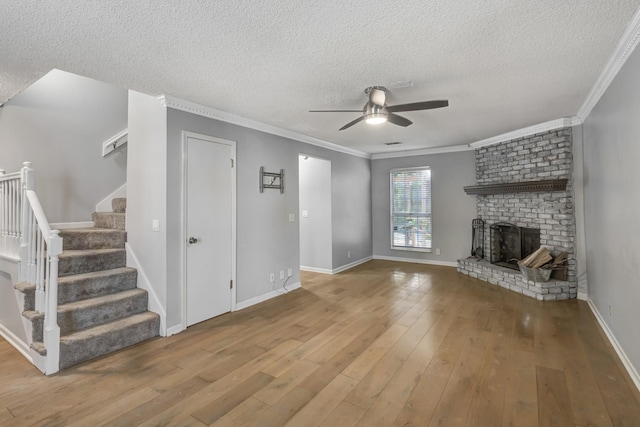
{"x": 376, "y": 110}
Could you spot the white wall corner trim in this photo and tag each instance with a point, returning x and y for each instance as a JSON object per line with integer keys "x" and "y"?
{"x": 143, "y": 283}
{"x": 633, "y": 373}
{"x": 529, "y": 130}
{"x": 16, "y": 342}
{"x": 423, "y": 152}
{"x": 417, "y": 261}
{"x": 627, "y": 43}
{"x": 104, "y": 205}
{"x": 116, "y": 142}
{"x": 264, "y": 297}
{"x": 583, "y": 296}
{"x": 351, "y": 265}
{"x": 202, "y": 110}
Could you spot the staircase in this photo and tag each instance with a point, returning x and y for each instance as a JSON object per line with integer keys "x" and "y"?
{"x": 100, "y": 309}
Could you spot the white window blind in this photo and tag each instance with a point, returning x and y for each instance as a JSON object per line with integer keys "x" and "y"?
{"x": 411, "y": 208}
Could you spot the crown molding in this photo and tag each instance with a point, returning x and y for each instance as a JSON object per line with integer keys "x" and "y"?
{"x": 202, "y": 110}
{"x": 627, "y": 43}
{"x": 422, "y": 152}
{"x": 528, "y": 131}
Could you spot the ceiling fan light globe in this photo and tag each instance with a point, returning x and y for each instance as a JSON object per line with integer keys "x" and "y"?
{"x": 376, "y": 120}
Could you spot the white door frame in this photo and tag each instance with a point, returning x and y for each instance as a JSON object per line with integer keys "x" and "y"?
{"x": 183, "y": 228}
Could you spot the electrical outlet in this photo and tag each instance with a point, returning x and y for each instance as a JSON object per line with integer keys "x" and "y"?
{"x": 292, "y": 217}
{"x": 281, "y": 274}
{"x": 289, "y": 272}
{"x": 609, "y": 309}
{"x": 348, "y": 254}
{"x": 272, "y": 277}
{"x": 437, "y": 251}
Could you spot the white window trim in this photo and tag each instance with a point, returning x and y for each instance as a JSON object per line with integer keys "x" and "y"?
{"x": 399, "y": 248}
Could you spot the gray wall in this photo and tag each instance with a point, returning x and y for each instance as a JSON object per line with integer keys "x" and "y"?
{"x": 452, "y": 209}
{"x": 59, "y": 124}
{"x": 266, "y": 241}
{"x": 611, "y": 136}
{"x": 147, "y": 198}
{"x": 315, "y": 198}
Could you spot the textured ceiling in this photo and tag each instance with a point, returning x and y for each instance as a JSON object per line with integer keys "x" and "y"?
{"x": 503, "y": 65}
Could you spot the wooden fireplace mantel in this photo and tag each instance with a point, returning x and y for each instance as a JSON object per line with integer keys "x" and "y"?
{"x": 545, "y": 185}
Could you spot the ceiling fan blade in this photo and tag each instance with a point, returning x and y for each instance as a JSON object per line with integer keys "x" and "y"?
{"x": 335, "y": 111}
{"x": 348, "y": 125}
{"x": 426, "y": 105}
{"x": 398, "y": 120}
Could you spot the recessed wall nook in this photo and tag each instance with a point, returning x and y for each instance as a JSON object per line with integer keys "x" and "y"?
{"x": 524, "y": 193}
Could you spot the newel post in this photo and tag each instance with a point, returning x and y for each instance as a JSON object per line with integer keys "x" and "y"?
{"x": 26, "y": 183}
{"x": 51, "y": 328}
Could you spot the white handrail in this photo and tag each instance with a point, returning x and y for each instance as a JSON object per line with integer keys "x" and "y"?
{"x": 39, "y": 250}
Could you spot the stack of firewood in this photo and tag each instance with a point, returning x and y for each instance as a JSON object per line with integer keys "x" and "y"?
{"x": 542, "y": 258}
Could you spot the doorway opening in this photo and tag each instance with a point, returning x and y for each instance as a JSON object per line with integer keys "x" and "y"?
{"x": 316, "y": 240}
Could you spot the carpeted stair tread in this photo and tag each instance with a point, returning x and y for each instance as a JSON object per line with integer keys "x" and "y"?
{"x": 96, "y": 283}
{"x": 102, "y": 339}
{"x": 114, "y": 220}
{"x": 87, "y": 285}
{"x": 93, "y": 238}
{"x": 119, "y": 205}
{"x": 85, "y": 261}
{"x": 39, "y": 347}
{"x": 79, "y": 315}
{"x": 108, "y": 337}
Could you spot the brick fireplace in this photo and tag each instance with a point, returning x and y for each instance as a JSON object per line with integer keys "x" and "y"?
{"x": 545, "y": 158}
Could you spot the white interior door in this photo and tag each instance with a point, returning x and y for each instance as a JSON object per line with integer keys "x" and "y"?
{"x": 209, "y": 226}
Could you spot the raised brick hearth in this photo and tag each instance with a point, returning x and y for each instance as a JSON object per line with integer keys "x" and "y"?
{"x": 515, "y": 281}
{"x": 537, "y": 157}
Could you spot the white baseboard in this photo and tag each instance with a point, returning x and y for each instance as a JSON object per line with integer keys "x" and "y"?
{"x": 257, "y": 300}
{"x": 335, "y": 270}
{"x": 143, "y": 283}
{"x": 65, "y": 225}
{"x": 16, "y": 342}
{"x": 417, "y": 261}
{"x": 616, "y": 345}
{"x": 351, "y": 265}
{"x": 174, "y": 330}
{"x": 316, "y": 270}
{"x": 105, "y": 204}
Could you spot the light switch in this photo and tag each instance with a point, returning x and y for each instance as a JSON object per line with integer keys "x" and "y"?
{"x": 292, "y": 217}
{"x": 155, "y": 225}
{"x": 305, "y": 214}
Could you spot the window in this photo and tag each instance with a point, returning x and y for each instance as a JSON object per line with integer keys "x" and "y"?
{"x": 411, "y": 209}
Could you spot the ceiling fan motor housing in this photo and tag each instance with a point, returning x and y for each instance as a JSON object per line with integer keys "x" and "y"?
{"x": 374, "y": 114}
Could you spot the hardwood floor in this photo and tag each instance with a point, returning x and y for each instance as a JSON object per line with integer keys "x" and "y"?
{"x": 383, "y": 344}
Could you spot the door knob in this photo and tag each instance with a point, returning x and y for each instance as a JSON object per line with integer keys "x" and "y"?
{"x": 193, "y": 240}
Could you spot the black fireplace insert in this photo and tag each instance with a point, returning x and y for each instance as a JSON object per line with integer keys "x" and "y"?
{"x": 510, "y": 243}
